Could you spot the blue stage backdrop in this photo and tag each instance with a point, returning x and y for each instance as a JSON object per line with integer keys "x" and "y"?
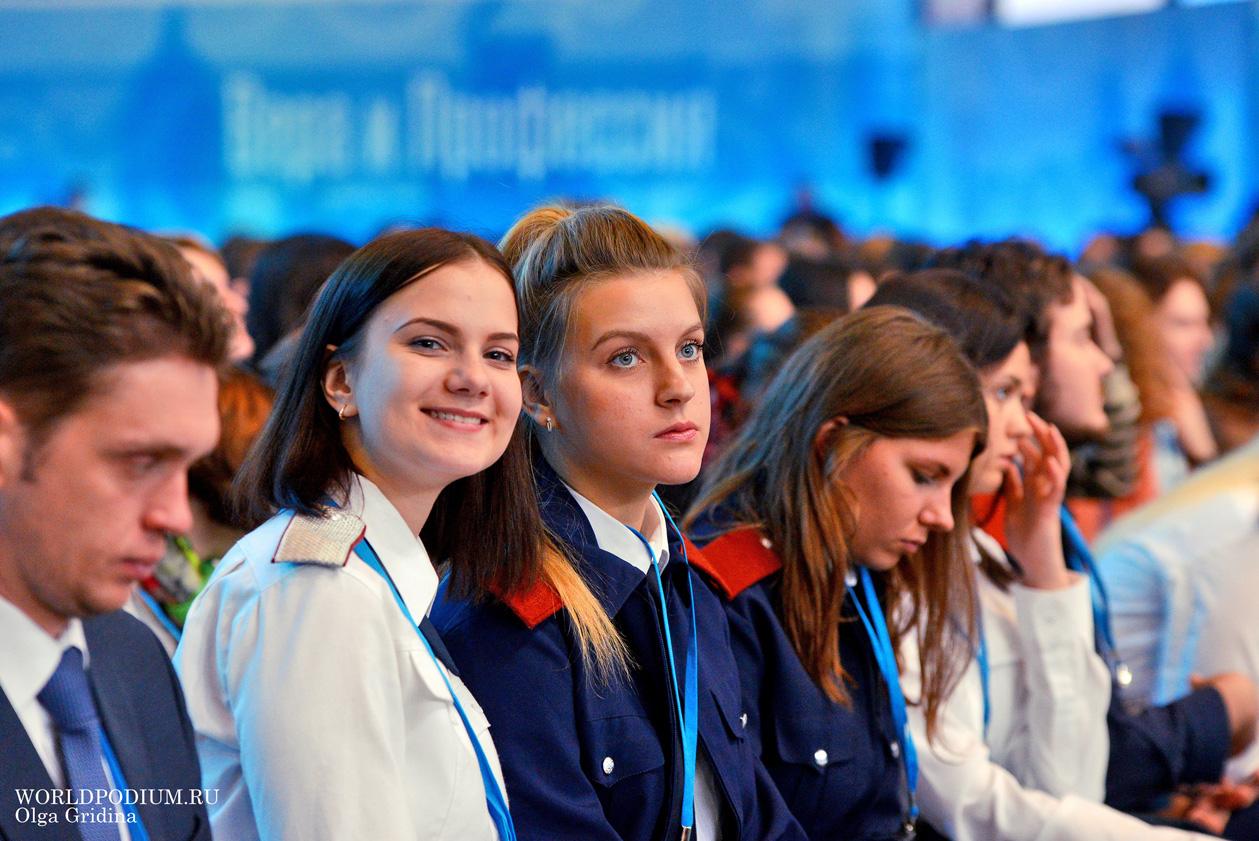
{"x": 349, "y": 116}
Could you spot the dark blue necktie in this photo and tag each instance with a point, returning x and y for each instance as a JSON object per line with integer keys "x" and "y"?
{"x": 68, "y": 699}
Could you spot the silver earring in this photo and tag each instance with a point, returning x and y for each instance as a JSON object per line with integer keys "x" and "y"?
{"x": 341, "y": 412}
{"x": 549, "y": 424}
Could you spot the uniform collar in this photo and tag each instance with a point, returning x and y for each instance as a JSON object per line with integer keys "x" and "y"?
{"x": 612, "y": 578}
{"x": 29, "y": 655}
{"x": 399, "y": 550}
{"x": 613, "y": 537}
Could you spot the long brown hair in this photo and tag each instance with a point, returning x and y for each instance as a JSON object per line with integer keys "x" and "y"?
{"x": 487, "y": 526}
{"x": 890, "y": 374}
{"x": 556, "y": 252}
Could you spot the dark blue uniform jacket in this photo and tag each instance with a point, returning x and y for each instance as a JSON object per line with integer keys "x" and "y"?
{"x": 835, "y": 765}
{"x": 589, "y": 761}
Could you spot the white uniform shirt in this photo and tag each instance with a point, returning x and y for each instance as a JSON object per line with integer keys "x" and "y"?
{"x": 319, "y": 713}
{"x": 1040, "y": 648}
{"x": 614, "y": 538}
{"x": 28, "y": 658}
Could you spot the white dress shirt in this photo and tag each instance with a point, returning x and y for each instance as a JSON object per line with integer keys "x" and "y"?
{"x": 1182, "y": 590}
{"x": 28, "y": 658}
{"x": 1049, "y": 694}
{"x": 319, "y": 713}
{"x": 614, "y": 538}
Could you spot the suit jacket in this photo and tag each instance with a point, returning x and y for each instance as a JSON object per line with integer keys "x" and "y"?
{"x": 142, "y": 709}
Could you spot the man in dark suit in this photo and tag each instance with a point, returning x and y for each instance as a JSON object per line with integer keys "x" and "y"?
{"x": 108, "y": 351}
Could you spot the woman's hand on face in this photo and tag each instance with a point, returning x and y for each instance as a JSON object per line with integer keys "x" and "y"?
{"x": 1033, "y": 501}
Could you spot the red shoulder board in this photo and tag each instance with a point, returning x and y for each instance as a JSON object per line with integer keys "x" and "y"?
{"x": 736, "y": 560}
{"x": 533, "y": 605}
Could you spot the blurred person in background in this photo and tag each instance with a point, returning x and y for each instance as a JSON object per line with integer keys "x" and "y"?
{"x": 1231, "y": 392}
{"x": 830, "y": 283}
{"x": 1182, "y": 316}
{"x": 742, "y": 274}
{"x": 207, "y": 264}
{"x": 1182, "y": 574}
{"x": 162, "y": 600}
{"x": 287, "y": 274}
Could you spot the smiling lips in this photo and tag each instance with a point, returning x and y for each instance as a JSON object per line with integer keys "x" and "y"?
{"x": 458, "y": 419}
{"x": 679, "y": 432}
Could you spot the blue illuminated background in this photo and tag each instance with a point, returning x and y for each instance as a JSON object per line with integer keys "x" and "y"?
{"x": 348, "y": 116}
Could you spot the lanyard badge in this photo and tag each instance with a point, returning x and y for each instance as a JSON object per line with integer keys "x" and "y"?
{"x": 495, "y": 800}
{"x": 881, "y": 641}
{"x": 687, "y": 703}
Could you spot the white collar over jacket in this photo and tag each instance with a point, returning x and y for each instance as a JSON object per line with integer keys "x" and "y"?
{"x": 1038, "y": 772}
{"x": 319, "y": 713}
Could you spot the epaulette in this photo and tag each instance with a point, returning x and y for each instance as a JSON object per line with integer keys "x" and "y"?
{"x": 533, "y": 605}
{"x": 324, "y": 540}
{"x": 737, "y": 560}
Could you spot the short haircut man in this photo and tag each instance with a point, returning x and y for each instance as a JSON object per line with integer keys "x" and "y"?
{"x": 108, "y": 354}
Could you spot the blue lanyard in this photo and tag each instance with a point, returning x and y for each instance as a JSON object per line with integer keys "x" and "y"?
{"x": 981, "y": 657}
{"x": 495, "y": 801}
{"x": 1080, "y": 559}
{"x": 134, "y": 827}
{"x": 690, "y": 717}
{"x": 881, "y": 641}
{"x": 165, "y": 621}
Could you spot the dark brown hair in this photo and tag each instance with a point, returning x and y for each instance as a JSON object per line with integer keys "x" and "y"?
{"x": 1032, "y": 277}
{"x": 487, "y": 526}
{"x": 78, "y": 295}
{"x": 890, "y": 374}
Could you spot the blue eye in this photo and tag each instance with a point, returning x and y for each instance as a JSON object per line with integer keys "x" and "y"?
{"x": 625, "y": 358}
{"x": 691, "y": 351}
{"x": 923, "y": 479}
{"x": 1002, "y": 394}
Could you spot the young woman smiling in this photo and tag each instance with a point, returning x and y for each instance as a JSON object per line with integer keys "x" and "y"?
{"x": 618, "y": 718}
{"x": 325, "y": 703}
{"x": 831, "y": 525}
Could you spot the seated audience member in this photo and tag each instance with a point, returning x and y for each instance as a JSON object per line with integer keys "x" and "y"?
{"x": 1182, "y": 316}
{"x": 1160, "y": 463}
{"x": 1158, "y": 749}
{"x": 162, "y": 600}
{"x": 832, "y": 284}
{"x": 616, "y": 704}
{"x": 326, "y": 706}
{"x": 743, "y": 275}
{"x": 208, "y": 265}
{"x": 1021, "y": 743}
{"x": 1104, "y": 460}
{"x": 286, "y": 276}
{"x": 1231, "y": 392}
{"x": 108, "y": 351}
{"x": 828, "y": 544}
{"x": 1182, "y": 575}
